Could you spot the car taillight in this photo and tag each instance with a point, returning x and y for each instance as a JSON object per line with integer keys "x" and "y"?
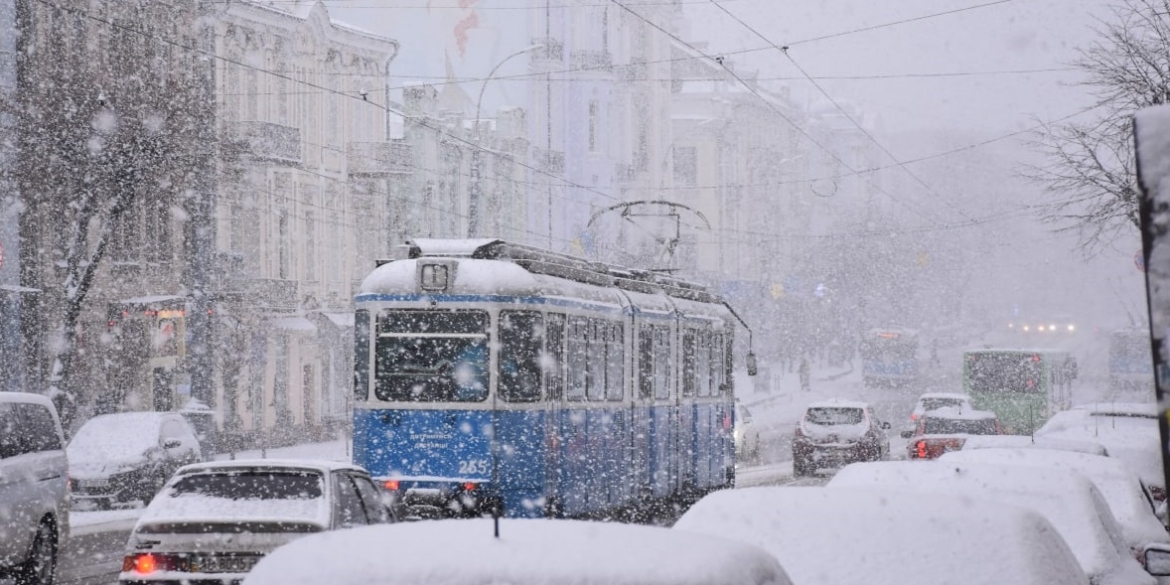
{"x": 913, "y": 416}
{"x": 147, "y": 563}
{"x": 391, "y": 484}
{"x": 920, "y": 449}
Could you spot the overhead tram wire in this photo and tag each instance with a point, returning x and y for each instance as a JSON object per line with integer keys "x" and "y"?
{"x": 212, "y": 55}
{"x": 775, "y": 109}
{"x": 784, "y": 50}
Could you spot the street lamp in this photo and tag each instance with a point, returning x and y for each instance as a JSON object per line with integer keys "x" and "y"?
{"x": 474, "y": 193}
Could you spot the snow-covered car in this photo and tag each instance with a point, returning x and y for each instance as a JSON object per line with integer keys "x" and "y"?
{"x": 34, "y": 494}
{"x": 127, "y": 456}
{"x": 214, "y": 521}
{"x": 1128, "y": 499}
{"x": 1129, "y": 431}
{"x": 935, "y": 400}
{"x": 1065, "y": 498}
{"x": 1027, "y": 442}
{"x": 947, "y": 429}
{"x": 863, "y": 537}
{"x": 747, "y": 435}
{"x": 526, "y": 552}
{"x": 837, "y": 432}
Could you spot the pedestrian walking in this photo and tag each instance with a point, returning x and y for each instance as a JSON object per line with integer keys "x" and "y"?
{"x": 804, "y": 374}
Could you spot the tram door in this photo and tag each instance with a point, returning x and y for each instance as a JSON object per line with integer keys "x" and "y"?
{"x": 554, "y": 384}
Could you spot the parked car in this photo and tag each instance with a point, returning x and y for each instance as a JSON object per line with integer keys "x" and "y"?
{"x": 34, "y": 494}
{"x": 216, "y": 520}
{"x": 527, "y": 552}
{"x": 1129, "y": 431}
{"x": 128, "y": 456}
{"x": 947, "y": 429}
{"x": 747, "y": 435}
{"x": 1124, "y": 492}
{"x": 1065, "y": 498}
{"x": 898, "y": 537}
{"x": 835, "y": 433}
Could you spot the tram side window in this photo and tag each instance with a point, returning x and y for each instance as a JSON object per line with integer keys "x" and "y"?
{"x": 663, "y": 363}
{"x": 688, "y": 374}
{"x": 615, "y": 356}
{"x": 554, "y": 369}
{"x": 432, "y": 356}
{"x": 521, "y": 339}
{"x": 595, "y": 383}
{"x": 578, "y": 348}
{"x": 646, "y": 365}
{"x": 361, "y": 355}
{"x": 703, "y": 364}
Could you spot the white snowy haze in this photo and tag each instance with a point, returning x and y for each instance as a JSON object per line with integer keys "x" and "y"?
{"x": 947, "y": 92}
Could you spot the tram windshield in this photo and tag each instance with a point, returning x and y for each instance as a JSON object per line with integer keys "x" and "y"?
{"x": 432, "y": 356}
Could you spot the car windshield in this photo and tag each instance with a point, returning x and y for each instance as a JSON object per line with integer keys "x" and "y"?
{"x": 949, "y": 426}
{"x": 834, "y": 415}
{"x": 250, "y": 485}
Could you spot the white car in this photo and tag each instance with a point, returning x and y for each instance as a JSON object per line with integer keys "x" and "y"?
{"x": 866, "y": 537}
{"x": 1067, "y": 499}
{"x": 1127, "y": 497}
{"x": 525, "y": 552}
{"x": 34, "y": 492}
{"x": 126, "y": 457}
{"x": 214, "y": 521}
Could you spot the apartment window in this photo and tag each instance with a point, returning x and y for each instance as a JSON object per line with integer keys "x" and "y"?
{"x": 282, "y": 234}
{"x": 686, "y": 172}
{"x": 593, "y": 109}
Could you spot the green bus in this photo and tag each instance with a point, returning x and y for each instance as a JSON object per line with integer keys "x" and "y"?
{"x": 1023, "y": 387}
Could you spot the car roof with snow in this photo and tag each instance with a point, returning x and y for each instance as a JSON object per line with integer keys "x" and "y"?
{"x": 837, "y": 403}
{"x": 804, "y": 527}
{"x": 528, "y": 551}
{"x": 1119, "y": 485}
{"x": 1027, "y": 442}
{"x": 1067, "y": 499}
{"x": 953, "y": 413}
{"x": 320, "y": 465}
{"x": 27, "y": 398}
{"x": 951, "y": 395}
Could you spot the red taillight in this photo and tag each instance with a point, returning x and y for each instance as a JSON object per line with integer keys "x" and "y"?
{"x": 913, "y": 416}
{"x": 140, "y": 563}
{"x": 391, "y": 484}
{"x": 470, "y": 486}
{"x": 920, "y": 449}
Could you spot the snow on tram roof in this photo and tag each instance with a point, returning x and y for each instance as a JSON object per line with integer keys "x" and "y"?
{"x": 451, "y": 248}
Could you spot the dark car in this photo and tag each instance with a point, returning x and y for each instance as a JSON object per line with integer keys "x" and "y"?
{"x": 947, "y": 429}
{"x": 126, "y": 457}
{"x": 836, "y": 433}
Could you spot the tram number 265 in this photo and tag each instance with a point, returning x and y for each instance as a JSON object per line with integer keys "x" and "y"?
{"x": 475, "y": 467}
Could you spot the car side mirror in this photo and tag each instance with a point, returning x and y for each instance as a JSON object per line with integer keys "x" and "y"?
{"x": 907, "y": 434}
{"x": 1156, "y": 559}
{"x": 886, "y": 425}
{"x": 172, "y": 443}
{"x": 751, "y": 364}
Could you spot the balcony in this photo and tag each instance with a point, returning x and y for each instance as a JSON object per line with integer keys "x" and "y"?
{"x": 379, "y": 158}
{"x": 582, "y": 60}
{"x": 270, "y": 141}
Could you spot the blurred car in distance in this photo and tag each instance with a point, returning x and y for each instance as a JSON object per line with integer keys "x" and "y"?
{"x": 127, "y": 456}
{"x": 838, "y": 432}
{"x": 747, "y": 435}
{"x": 214, "y": 521}
{"x": 34, "y": 490}
{"x": 936, "y": 400}
{"x": 1127, "y": 497}
{"x": 947, "y": 429}
{"x": 803, "y": 528}
{"x": 1065, "y": 498}
{"x": 527, "y": 552}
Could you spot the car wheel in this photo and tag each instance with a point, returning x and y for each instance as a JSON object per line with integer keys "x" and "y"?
{"x": 41, "y": 565}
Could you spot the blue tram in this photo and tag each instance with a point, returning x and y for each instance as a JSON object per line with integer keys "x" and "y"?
{"x": 494, "y": 377}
